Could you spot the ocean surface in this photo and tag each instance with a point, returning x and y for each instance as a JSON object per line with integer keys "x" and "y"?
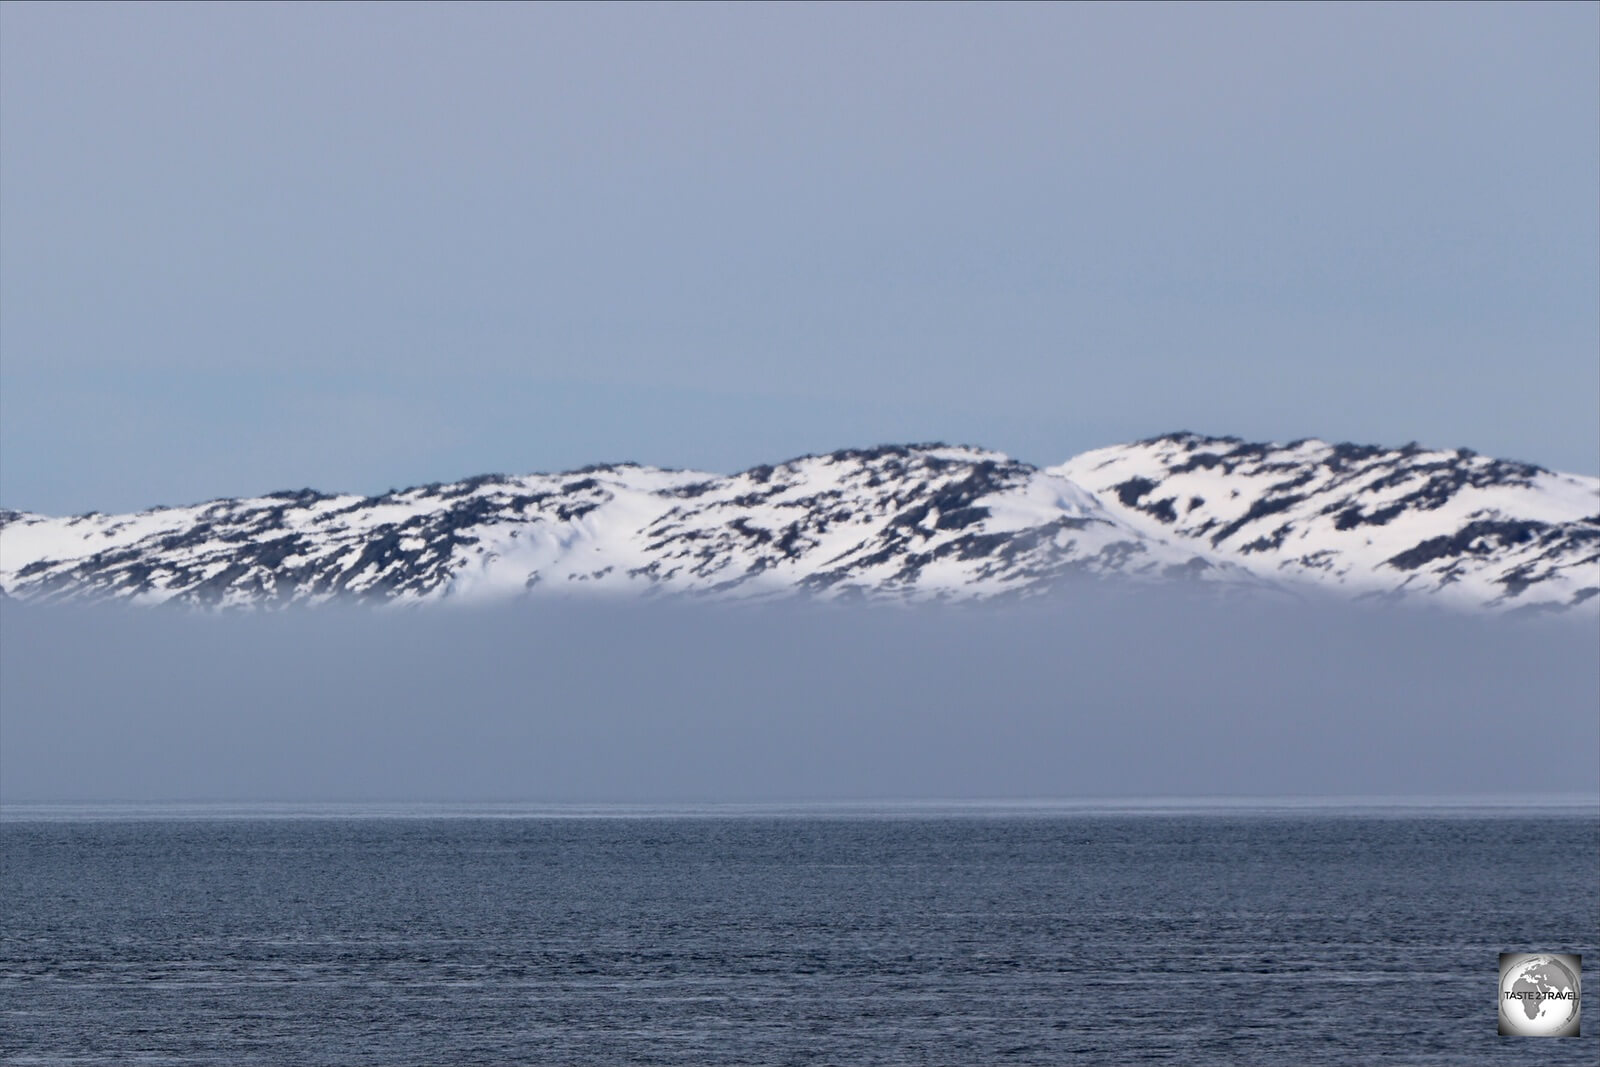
{"x": 1048, "y": 935}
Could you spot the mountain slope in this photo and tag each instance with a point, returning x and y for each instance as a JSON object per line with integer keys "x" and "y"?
{"x": 901, "y": 522}
{"x": 913, "y": 522}
{"x": 1370, "y": 521}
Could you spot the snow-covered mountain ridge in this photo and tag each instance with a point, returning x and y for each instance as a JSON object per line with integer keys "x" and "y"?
{"x": 1370, "y": 521}
{"x": 900, "y": 522}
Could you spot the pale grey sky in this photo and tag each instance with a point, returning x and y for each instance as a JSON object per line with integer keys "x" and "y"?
{"x": 244, "y": 248}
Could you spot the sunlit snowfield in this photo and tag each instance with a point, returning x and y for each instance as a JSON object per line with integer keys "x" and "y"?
{"x": 1126, "y": 932}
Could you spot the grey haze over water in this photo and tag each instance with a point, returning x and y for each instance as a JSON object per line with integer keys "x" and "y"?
{"x": 562, "y": 702}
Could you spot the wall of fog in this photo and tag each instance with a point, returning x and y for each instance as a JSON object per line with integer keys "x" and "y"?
{"x": 1087, "y": 695}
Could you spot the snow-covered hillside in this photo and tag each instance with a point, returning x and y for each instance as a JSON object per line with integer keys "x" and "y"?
{"x": 1403, "y": 522}
{"x": 901, "y": 522}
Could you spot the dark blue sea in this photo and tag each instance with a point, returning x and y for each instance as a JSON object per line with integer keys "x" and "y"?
{"x": 1036, "y": 936}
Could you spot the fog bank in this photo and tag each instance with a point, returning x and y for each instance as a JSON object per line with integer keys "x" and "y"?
{"x": 1096, "y": 695}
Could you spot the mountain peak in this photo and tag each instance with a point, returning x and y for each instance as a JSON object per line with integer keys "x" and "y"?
{"x": 910, "y": 522}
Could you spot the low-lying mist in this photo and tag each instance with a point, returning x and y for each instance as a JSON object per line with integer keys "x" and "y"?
{"x": 1094, "y": 694}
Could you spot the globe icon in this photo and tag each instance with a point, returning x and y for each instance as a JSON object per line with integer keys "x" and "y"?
{"x": 1539, "y": 997}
